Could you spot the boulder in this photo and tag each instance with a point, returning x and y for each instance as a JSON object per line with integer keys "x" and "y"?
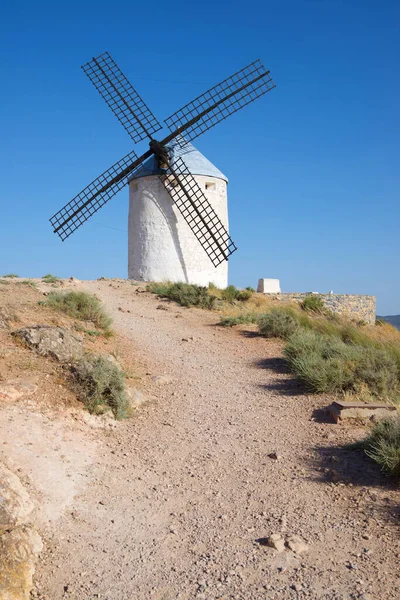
{"x": 15, "y": 504}
{"x": 57, "y": 342}
{"x": 296, "y": 544}
{"x": 19, "y": 541}
{"x": 275, "y": 540}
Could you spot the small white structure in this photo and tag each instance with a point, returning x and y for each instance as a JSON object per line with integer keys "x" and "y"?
{"x": 269, "y": 286}
{"x": 161, "y": 245}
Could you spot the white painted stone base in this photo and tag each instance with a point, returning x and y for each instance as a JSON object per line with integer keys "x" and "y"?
{"x": 268, "y": 286}
{"x": 161, "y": 245}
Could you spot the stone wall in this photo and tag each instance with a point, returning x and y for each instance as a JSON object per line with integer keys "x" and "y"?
{"x": 359, "y": 308}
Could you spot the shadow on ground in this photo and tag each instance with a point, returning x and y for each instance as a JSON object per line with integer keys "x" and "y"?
{"x": 288, "y": 385}
{"x": 370, "y": 489}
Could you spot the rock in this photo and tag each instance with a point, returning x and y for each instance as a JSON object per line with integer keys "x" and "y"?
{"x": 162, "y": 379}
{"x": 74, "y": 280}
{"x": 136, "y": 398}
{"x": 15, "y": 504}
{"x": 18, "y": 550}
{"x": 162, "y": 307}
{"x": 296, "y": 544}
{"x": 273, "y": 455}
{"x": 17, "y": 388}
{"x": 360, "y": 410}
{"x": 19, "y": 542}
{"x": 57, "y": 342}
{"x": 276, "y": 541}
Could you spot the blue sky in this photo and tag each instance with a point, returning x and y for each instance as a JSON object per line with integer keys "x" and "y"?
{"x": 312, "y": 166}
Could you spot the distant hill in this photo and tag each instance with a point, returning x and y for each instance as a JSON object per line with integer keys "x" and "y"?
{"x": 392, "y": 319}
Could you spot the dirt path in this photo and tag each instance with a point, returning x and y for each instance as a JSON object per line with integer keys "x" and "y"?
{"x": 177, "y": 497}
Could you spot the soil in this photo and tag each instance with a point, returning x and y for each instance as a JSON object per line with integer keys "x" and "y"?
{"x": 177, "y": 502}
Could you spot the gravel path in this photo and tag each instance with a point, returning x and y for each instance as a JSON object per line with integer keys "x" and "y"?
{"x": 180, "y": 496}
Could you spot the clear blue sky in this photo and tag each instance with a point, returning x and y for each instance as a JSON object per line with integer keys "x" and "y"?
{"x": 313, "y": 166}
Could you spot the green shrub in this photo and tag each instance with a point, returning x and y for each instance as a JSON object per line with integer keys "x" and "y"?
{"x": 378, "y": 370}
{"x": 244, "y": 295}
{"x": 229, "y": 294}
{"x": 100, "y": 384}
{"x": 313, "y": 303}
{"x": 185, "y": 294}
{"x": 27, "y": 282}
{"x": 383, "y": 445}
{"x": 250, "y": 289}
{"x": 277, "y": 323}
{"x": 49, "y": 278}
{"x": 238, "y": 320}
{"x": 11, "y": 275}
{"x": 327, "y": 364}
{"x": 80, "y": 305}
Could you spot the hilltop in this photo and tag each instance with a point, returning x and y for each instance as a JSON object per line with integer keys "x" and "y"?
{"x": 177, "y": 501}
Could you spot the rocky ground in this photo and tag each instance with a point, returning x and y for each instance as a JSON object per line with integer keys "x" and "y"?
{"x": 181, "y": 501}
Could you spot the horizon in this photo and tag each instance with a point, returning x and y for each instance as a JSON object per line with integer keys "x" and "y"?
{"x": 314, "y": 182}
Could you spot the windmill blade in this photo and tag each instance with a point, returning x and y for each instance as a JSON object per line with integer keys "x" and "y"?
{"x": 95, "y": 195}
{"x": 221, "y": 101}
{"x": 198, "y": 212}
{"x": 121, "y": 97}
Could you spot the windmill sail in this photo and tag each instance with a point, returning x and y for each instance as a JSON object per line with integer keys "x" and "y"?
{"x": 218, "y": 103}
{"x": 94, "y": 196}
{"x": 198, "y": 212}
{"x": 121, "y": 97}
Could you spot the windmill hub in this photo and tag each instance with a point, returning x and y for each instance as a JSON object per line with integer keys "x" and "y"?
{"x": 182, "y": 207}
{"x": 161, "y": 153}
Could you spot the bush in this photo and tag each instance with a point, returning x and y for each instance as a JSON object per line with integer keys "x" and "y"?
{"x": 80, "y": 305}
{"x": 185, "y": 294}
{"x": 11, "y": 275}
{"x": 229, "y": 293}
{"x": 244, "y": 295}
{"x": 100, "y": 384}
{"x": 238, "y": 320}
{"x": 50, "y": 278}
{"x": 277, "y": 323}
{"x": 378, "y": 370}
{"x": 313, "y": 303}
{"x": 327, "y": 364}
{"x": 383, "y": 445}
{"x": 250, "y": 289}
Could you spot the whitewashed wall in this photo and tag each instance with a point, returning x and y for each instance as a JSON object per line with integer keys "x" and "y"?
{"x": 161, "y": 245}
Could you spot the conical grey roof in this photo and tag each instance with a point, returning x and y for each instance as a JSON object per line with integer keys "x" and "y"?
{"x": 195, "y": 161}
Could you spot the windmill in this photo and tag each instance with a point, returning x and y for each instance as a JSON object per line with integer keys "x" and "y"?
{"x": 167, "y": 239}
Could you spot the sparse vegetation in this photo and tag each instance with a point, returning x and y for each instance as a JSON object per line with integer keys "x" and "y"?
{"x": 383, "y": 445}
{"x": 80, "y": 305}
{"x": 49, "y": 278}
{"x": 328, "y": 364}
{"x": 27, "y": 282}
{"x": 239, "y": 320}
{"x": 313, "y": 303}
{"x": 330, "y": 353}
{"x": 184, "y": 294}
{"x": 277, "y": 323}
{"x": 100, "y": 385}
{"x": 11, "y": 275}
{"x": 229, "y": 293}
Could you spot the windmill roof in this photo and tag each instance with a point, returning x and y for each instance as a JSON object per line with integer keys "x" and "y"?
{"x": 195, "y": 161}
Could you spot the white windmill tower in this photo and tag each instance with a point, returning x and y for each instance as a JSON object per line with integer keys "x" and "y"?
{"x": 178, "y": 215}
{"x": 161, "y": 245}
